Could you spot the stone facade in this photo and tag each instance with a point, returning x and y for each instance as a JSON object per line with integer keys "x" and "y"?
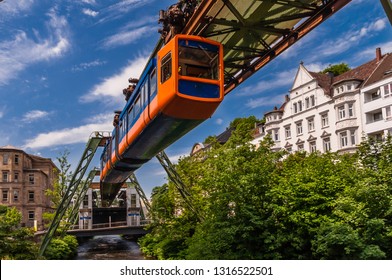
{"x": 24, "y": 179}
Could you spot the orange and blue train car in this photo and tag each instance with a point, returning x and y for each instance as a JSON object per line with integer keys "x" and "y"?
{"x": 179, "y": 88}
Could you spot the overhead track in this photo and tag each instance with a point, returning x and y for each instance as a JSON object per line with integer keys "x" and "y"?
{"x": 253, "y": 32}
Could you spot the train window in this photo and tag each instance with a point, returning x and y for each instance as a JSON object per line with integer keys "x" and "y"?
{"x": 153, "y": 82}
{"x": 198, "y": 59}
{"x": 136, "y": 106}
{"x": 166, "y": 68}
{"x": 145, "y": 92}
{"x": 130, "y": 116}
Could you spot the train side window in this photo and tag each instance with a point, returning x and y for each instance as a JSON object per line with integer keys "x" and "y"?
{"x": 136, "y": 106}
{"x": 153, "y": 82}
{"x": 146, "y": 92}
{"x": 166, "y": 68}
{"x": 130, "y": 116}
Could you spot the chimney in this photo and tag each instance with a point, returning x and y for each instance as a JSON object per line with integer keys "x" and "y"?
{"x": 378, "y": 54}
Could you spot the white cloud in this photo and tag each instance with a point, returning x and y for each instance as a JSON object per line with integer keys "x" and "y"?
{"x": 276, "y": 100}
{"x": 128, "y": 36}
{"x": 219, "y": 121}
{"x": 110, "y": 89}
{"x": 91, "y": 2}
{"x": 34, "y": 115}
{"x": 90, "y": 12}
{"x": 12, "y": 8}
{"x": 284, "y": 78}
{"x": 87, "y": 65}
{"x": 21, "y": 51}
{"x": 349, "y": 39}
{"x": 370, "y": 52}
{"x": 2, "y": 111}
{"x": 71, "y": 135}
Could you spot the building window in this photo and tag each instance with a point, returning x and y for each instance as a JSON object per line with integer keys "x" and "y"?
{"x": 307, "y": 103}
{"x": 16, "y": 195}
{"x": 324, "y": 120}
{"x": 311, "y": 124}
{"x": 31, "y": 179}
{"x": 85, "y": 201}
{"x": 133, "y": 200}
{"x": 295, "y": 108}
{"x": 341, "y": 112}
{"x": 16, "y": 159}
{"x": 387, "y": 90}
{"x": 312, "y": 146}
{"x": 299, "y": 106}
{"x": 350, "y": 110}
{"x": 5, "y": 159}
{"x": 327, "y": 144}
{"x": 343, "y": 139}
{"x": 16, "y": 177}
{"x": 300, "y": 147}
{"x": 31, "y": 215}
{"x": 31, "y": 196}
{"x": 375, "y": 95}
{"x": 377, "y": 116}
{"x": 388, "y": 115}
{"x": 312, "y": 101}
{"x": 353, "y": 137}
{"x": 5, "y": 176}
{"x": 276, "y": 134}
{"x": 299, "y": 128}
{"x": 5, "y": 196}
{"x": 287, "y": 132}
{"x": 349, "y": 87}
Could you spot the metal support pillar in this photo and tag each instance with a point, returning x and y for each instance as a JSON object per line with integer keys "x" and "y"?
{"x": 387, "y": 5}
{"x": 80, "y": 196}
{"x": 142, "y": 196}
{"x": 96, "y": 139}
{"x": 177, "y": 181}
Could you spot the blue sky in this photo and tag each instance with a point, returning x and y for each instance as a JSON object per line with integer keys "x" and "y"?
{"x": 63, "y": 65}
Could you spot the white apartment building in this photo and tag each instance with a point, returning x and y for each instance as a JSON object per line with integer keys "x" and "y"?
{"x": 327, "y": 113}
{"x": 376, "y": 100}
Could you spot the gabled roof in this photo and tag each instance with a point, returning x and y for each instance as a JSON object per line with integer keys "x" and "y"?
{"x": 383, "y": 71}
{"x": 359, "y": 73}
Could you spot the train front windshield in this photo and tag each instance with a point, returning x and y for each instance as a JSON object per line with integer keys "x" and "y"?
{"x": 198, "y": 59}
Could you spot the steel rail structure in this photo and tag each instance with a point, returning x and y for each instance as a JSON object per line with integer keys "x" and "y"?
{"x": 96, "y": 139}
{"x": 254, "y": 32}
{"x": 387, "y": 5}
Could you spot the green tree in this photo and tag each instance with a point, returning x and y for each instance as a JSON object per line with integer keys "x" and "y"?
{"x": 16, "y": 242}
{"x": 62, "y": 246}
{"x": 337, "y": 69}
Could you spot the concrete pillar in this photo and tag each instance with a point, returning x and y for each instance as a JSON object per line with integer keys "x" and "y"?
{"x": 133, "y": 207}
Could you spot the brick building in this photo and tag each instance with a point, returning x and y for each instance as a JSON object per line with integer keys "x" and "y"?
{"x": 24, "y": 179}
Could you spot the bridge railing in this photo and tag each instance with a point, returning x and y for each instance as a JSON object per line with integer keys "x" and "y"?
{"x": 111, "y": 225}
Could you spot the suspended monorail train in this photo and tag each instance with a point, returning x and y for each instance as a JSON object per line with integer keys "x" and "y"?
{"x": 179, "y": 88}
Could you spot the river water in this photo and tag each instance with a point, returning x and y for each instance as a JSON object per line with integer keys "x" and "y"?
{"x": 109, "y": 247}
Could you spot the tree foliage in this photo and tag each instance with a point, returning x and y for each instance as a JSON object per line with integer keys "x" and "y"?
{"x": 250, "y": 203}
{"x": 337, "y": 69}
{"x": 16, "y": 242}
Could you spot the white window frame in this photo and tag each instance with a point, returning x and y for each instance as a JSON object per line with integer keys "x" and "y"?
{"x": 324, "y": 120}
{"x": 311, "y": 125}
{"x": 287, "y": 132}
{"x": 327, "y": 144}
{"x": 299, "y": 128}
